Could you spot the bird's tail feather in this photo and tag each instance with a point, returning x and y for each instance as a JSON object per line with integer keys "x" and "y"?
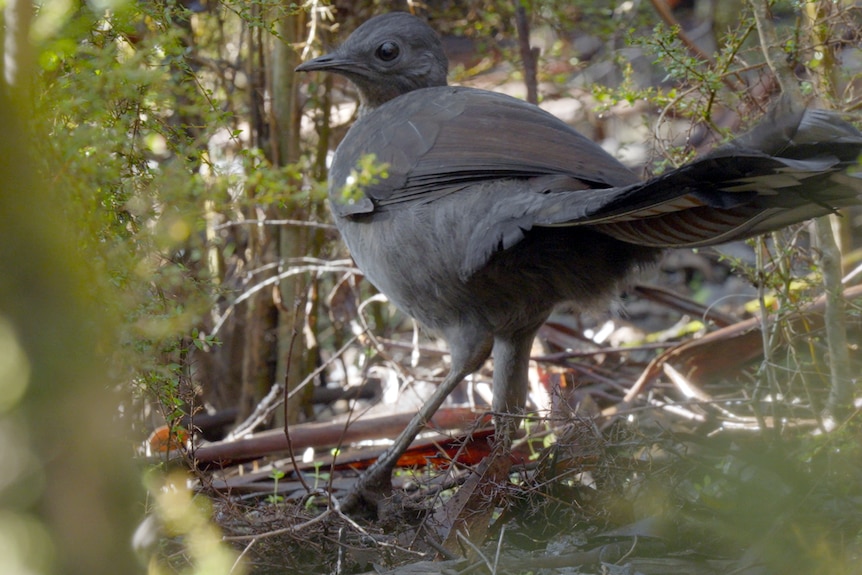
{"x": 790, "y": 168}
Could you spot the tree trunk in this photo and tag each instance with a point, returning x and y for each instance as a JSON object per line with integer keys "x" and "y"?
{"x": 295, "y": 357}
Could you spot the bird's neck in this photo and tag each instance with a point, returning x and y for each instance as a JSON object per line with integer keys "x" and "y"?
{"x": 374, "y": 95}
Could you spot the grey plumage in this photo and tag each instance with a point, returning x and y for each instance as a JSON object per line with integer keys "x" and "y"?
{"x": 494, "y": 211}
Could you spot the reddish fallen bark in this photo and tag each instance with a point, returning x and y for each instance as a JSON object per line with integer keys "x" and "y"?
{"x": 725, "y": 350}
{"x": 437, "y": 451}
{"x": 325, "y": 435}
{"x": 468, "y": 513}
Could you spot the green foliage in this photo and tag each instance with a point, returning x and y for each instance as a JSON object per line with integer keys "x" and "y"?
{"x": 126, "y": 126}
{"x": 792, "y": 501}
{"x": 267, "y": 184}
{"x": 274, "y": 498}
{"x": 368, "y": 171}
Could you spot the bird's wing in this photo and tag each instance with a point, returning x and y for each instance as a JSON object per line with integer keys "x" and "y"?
{"x": 437, "y": 140}
{"x": 790, "y": 168}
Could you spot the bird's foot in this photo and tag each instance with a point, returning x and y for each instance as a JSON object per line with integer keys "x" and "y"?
{"x": 372, "y": 488}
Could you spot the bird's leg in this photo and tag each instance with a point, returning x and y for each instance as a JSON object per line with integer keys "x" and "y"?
{"x": 468, "y": 354}
{"x": 471, "y": 508}
{"x": 511, "y": 381}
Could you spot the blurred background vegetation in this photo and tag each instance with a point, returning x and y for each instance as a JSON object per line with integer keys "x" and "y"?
{"x": 164, "y": 241}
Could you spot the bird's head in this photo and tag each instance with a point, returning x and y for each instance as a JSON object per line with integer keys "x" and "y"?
{"x": 385, "y": 57}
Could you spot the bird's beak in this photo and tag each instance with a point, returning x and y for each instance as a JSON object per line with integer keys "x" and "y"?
{"x": 330, "y": 62}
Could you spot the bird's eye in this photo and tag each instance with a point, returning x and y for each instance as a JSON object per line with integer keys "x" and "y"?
{"x": 388, "y": 51}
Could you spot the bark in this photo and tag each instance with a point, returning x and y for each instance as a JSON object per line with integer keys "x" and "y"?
{"x": 295, "y": 355}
